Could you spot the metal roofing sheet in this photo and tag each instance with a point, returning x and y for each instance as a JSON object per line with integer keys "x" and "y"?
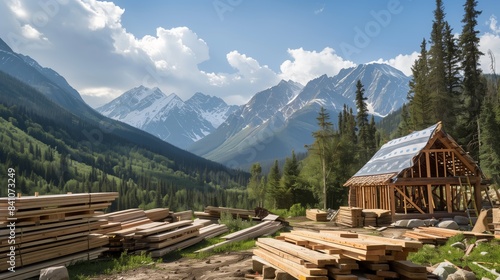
{"x": 397, "y": 154}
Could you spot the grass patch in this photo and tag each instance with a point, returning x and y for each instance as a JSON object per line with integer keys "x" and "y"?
{"x": 85, "y": 270}
{"x": 487, "y": 254}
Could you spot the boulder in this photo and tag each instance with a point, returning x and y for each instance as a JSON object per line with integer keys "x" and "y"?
{"x": 414, "y": 223}
{"x": 401, "y": 223}
{"x": 462, "y": 274}
{"x": 444, "y": 269}
{"x": 461, "y": 220}
{"x": 54, "y": 273}
{"x": 448, "y": 224}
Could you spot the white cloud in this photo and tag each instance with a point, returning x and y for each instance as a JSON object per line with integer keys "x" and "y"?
{"x": 307, "y": 65}
{"x": 489, "y": 42}
{"x": 110, "y": 60}
{"x": 493, "y": 24}
{"x": 402, "y": 62}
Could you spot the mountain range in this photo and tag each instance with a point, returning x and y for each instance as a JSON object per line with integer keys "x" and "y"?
{"x": 282, "y": 118}
{"x": 167, "y": 116}
{"x": 269, "y": 126}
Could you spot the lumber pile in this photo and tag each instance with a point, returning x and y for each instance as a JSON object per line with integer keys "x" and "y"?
{"x": 337, "y": 255}
{"x": 51, "y": 228}
{"x": 147, "y": 231}
{"x": 436, "y": 235}
{"x": 350, "y": 216}
{"x": 214, "y": 213}
{"x": 316, "y": 215}
{"x": 376, "y": 217}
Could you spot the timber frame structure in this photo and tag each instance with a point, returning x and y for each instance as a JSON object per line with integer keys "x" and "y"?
{"x": 431, "y": 176}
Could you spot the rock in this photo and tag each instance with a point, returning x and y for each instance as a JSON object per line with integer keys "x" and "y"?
{"x": 401, "y": 223}
{"x": 444, "y": 269}
{"x": 458, "y": 245}
{"x": 414, "y": 223}
{"x": 54, "y": 273}
{"x": 461, "y": 220}
{"x": 462, "y": 274}
{"x": 431, "y": 222}
{"x": 448, "y": 225}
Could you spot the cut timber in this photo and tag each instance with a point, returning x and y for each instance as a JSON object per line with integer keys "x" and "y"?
{"x": 266, "y": 255}
{"x": 316, "y": 215}
{"x": 31, "y": 271}
{"x": 288, "y": 268}
{"x": 162, "y": 228}
{"x": 314, "y": 257}
{"x": 358, "y": 244}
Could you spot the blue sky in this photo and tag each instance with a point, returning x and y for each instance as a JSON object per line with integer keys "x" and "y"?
{"x": 227, "y": 48}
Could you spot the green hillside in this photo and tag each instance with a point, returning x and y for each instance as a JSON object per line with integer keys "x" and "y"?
{"x": 56, "y": 151}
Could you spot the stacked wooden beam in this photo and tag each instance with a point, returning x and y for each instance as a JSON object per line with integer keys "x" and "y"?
{"x": 338, "y": 255}
{"x": 350, "y": 216}
{"x": 49, "y": 227}
{"x": 214, "y": 213}
{"x": 436, "y": 235}
{"x": 376, "y": 217}
{"x": 316, "y": 215}
{"x": 138, "y": 232}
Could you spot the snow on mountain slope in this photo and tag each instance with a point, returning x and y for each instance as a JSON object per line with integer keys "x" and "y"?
{"x": 169, "y": 117}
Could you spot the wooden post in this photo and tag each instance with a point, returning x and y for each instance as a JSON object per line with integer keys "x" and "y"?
{"x": 392, "y": 201}
{"x": 477, "y": 192}
{"x": 429, "y": 186}
{"x": 447, "y": 191}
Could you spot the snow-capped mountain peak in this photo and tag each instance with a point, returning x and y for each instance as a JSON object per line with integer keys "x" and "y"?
{"x": 168, "y": 116}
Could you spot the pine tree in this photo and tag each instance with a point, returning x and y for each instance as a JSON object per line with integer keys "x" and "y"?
{"x": 472, "y": 86}
{"x": 323, "y": 149}
{"x": 256, "y": 187}
{"x": 365, "y": 135}
{"x": 452, "y": 79}
{"x": 288, "y": 182}
{"x": 437, "y": 77}
{"x": 420, "y": 100}
{"x": 273, "y": 184}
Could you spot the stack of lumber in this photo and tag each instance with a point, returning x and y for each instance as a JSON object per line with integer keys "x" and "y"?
{"x": 376, "y": 217}
{"x": 147, "y": 231}
{"x": 316, "y": 215}
{"x": 435, "y": 235}
{"x": 49, "y": 227}
{"x": 350, "y": 216}
{"x": 214, "y": 213}
{"x": 158, "y": 214}
{"x": 266, "y": 227}
{"x": 339, "y": 255}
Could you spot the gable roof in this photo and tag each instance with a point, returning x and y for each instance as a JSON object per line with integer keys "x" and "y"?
{"x": 398, "y": 155}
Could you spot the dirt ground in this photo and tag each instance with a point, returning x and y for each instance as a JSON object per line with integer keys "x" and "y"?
{"x": 228, "y": 266}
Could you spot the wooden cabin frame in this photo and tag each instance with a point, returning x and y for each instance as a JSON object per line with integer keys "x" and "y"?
{"x": 443, "y": 179}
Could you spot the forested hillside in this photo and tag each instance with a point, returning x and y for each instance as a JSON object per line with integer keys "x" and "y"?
{"x": 55, "y": 151}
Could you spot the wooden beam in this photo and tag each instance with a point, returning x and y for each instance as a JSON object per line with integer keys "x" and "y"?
{"x": 449, "y": 205}
{"x": 409, "y": 200}
{"x": 392, "y": 200}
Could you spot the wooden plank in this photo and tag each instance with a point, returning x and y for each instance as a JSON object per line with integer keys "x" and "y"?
{"x": 359, "y": 244}
{"x": 298, "y": 251}
{"x": 288, "y": 266}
